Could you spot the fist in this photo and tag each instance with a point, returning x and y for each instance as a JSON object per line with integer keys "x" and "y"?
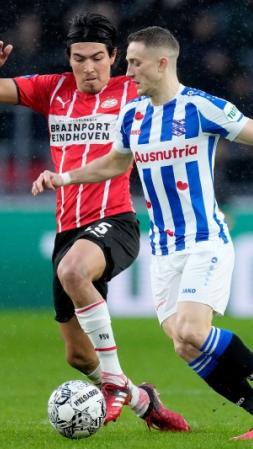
{"x": 47, "y": 180}
{"x": 4, "y": 52}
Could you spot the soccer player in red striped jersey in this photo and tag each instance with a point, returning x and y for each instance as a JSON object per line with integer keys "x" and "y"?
{"x": 97, "y": 231}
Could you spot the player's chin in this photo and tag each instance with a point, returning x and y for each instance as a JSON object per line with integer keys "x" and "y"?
{"x": 140, "y": 90}
{"x": 92, "y": 88}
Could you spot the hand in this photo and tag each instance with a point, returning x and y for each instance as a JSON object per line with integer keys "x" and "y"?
{"x": 47, "y": 180}
{"x": 4, "y": 52}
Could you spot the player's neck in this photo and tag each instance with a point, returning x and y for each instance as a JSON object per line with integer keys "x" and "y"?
{"x": 166, "y": 91}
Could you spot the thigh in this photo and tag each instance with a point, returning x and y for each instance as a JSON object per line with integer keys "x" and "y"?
{"x": 166, "y": 272}
{"x": 71, "y": 247}
{"x": 63, "y": 305}
{"x": 207, "y": 275}
{"x": 119, "y": 239}
{"x": 121, "y": 245}
{"x": 87, "y": 257}
{"x": 116, "y": 246}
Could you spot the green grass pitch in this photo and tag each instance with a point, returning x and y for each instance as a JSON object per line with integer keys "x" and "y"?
{"x": 32, "y": 365}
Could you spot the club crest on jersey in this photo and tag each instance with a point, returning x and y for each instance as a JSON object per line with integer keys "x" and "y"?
{"x": 178, "y": 127}
{"x": 109, "y": 103}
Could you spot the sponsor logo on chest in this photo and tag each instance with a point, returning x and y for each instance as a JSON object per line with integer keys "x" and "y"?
{"x": 82, "y": 130}
{"x": 167, "y": 154}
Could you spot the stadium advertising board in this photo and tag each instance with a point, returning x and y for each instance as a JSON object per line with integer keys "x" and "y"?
{"x": 27, "y": 241}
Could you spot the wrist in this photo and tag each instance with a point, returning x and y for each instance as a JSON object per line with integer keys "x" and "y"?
{"x": 66, "y": 178}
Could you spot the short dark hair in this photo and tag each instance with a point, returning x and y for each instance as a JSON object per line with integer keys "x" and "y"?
{"x": 91, "y": 28}
{"x": 155, "y": 36}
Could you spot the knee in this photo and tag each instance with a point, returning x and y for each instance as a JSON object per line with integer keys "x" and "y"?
{"x": 186, "y": 350}
{"x": 180, "y": 333}
{"x": 181, "y": 348}
{"x": 70, "y": 274}
{"x": 185, "y": 333}
{"x": 190, "y": 332}
{"x": 188, "y": 338}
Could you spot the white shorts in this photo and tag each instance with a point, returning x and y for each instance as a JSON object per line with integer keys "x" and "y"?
{"x": 200, "y": 274}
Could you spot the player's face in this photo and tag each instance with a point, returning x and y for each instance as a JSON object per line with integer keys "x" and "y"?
{"x": 91, "y": 65}
{"x": 143, "y": 67}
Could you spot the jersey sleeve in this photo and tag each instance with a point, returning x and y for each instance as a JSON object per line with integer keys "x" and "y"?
{"x": 218, "y": 116}
{"x": 35, "y": 91}
{"x": 123, "y": 129}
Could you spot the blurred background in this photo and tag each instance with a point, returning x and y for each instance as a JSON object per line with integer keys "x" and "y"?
{"x": 216, "y": 41}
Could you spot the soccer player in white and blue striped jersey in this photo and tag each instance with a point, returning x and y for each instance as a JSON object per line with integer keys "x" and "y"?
{"x": 171, "y": 131}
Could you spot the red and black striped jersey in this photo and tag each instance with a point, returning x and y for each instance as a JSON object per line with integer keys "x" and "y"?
{"x": 81, "y": 128}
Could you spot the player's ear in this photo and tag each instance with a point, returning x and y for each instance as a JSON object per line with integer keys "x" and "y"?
{"x": 163, "y": 63}
{"x": 113, "y": 55}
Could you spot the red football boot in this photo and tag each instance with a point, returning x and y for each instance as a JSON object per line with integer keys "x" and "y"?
{"x": 115, "y": 397}
{"x": 245, "y": 436}
{"x": 159, "y": 417}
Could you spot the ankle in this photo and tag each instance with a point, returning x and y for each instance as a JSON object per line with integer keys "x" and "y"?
{"x": 116, "y": 379}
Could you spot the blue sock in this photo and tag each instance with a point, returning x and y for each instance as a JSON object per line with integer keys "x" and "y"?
{"x": 225, "y": 364}
{"x": 216, "y": 343}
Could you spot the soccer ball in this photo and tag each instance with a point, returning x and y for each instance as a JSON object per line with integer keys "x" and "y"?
{"x": 76, "y": 409}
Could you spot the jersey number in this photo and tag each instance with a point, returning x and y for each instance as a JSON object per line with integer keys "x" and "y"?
{"x": 100, "y": 229}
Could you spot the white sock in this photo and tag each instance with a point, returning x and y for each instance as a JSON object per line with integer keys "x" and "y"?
{"x": 95, "y": 320}
{"x": 140, "y": 399}
{"x": 95, "y": 376}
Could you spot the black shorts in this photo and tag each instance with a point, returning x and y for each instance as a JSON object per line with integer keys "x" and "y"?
{"x": 119, "y": 239}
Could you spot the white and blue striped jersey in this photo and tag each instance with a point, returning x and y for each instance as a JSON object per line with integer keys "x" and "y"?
{"x": 174, "y": 149}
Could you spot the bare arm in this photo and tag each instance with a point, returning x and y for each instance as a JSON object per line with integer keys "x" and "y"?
{"x": 109, "y": 166}
{"x": 8, "y": 89}
{"x": 106, "y": 167}
{"x": 246, "y": 135}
